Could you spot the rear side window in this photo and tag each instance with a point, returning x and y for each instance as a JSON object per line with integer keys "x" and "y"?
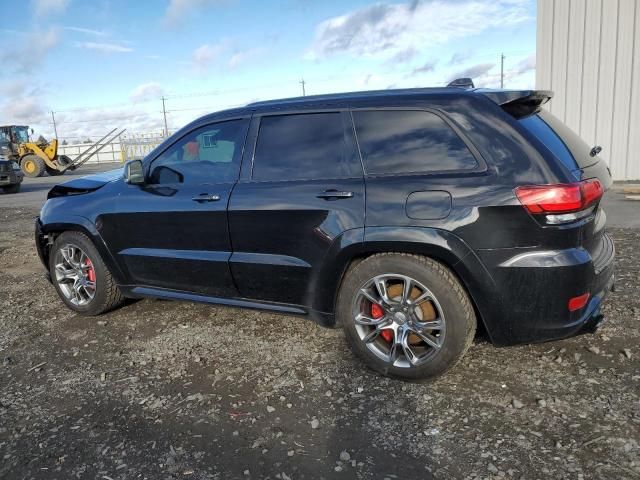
{"x": 563, "y": 142}
{"x": 304, "y": 146}
{"x": 409, "y": 141}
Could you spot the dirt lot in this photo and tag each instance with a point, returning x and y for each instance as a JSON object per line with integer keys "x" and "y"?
{"x": 164, "y": 390}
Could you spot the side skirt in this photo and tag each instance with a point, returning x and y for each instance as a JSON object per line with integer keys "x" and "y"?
{"x": 322, "y": 318}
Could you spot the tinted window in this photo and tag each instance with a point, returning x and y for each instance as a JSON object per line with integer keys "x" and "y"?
{"x": 304, "y": 146}
{"x": 396, "y": 141}
{"x": 563, "y": 142}
{"x": 210, "y": 154}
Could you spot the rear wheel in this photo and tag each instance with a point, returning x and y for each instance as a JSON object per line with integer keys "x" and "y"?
{"x": 32, "y": 166}
{"x": 405, "y": 315}
{"x": 80, "y": 277}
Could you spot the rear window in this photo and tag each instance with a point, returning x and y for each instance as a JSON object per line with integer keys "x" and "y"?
{"x": 303, "y": 146}
{"x": 563, "y": 142}
{"x": 409, "y": 141}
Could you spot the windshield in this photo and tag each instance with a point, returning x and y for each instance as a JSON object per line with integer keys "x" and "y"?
{"x": 22, "y": 134}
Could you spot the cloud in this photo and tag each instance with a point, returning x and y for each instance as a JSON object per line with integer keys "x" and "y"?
{"x": 48, "y": 7}
{"x": 204, "y": 56}
{"x": 88, "y": 31}
{"x": 460, "y": 57}
{"x": 21, "y": 101}
{"x": 147, "y": 91}
{"x": 426, "y": 68}
{"x": 178, "y": 10}
{"x": 242, "y": 56}
{"x": 383, "y": 29}
{"x": 31, "y": 52}
{"x": 474, "y": 71}
{"x": 526, "y": 65}
{"x": 402, "y": 56}
{"x": 104, "y": 47}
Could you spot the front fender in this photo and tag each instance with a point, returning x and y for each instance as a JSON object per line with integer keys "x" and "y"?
{"x": 52, "y": 223}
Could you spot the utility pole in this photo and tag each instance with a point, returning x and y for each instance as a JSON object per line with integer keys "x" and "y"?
{"x": 502, "y": 70}
{"x": 164, "y": 113}
{"x": 302, "y": 82}
{"x": 55, "y": 128}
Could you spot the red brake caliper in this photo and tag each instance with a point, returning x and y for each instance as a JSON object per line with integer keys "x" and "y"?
{"x": 91, "y": 274}
{"x": 377, "y": 312}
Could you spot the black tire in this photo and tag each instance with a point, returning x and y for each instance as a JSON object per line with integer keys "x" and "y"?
{"x": 11, "y": 188}
{"x": 53, "y": 172}
{"x": 452, "y": 297}
{"x": 63, "y": 160}
{"x": 107, "y": 294}
{"x": 36, "y": 162}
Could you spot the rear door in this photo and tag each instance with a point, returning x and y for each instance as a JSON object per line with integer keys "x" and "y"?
{"x": 303, "y": 188}
{"x": 173, "y": 232}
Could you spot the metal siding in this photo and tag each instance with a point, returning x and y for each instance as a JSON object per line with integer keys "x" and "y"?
{"x": 559, "y": 57}
{"x": 588, "y": 106}
{"x": 633, "y": 147}
{"x": 575, "y": 58}
{"x": 588, "y": 53}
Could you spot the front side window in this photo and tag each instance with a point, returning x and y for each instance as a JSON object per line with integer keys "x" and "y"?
{"x": 304, "y": 146}
{"x": 409, "y": 141}
{"x": 210, "y": 154}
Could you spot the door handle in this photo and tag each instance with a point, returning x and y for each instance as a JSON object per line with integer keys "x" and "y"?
{"x": 334, "y": 194}
{"x": 205, "y": 197}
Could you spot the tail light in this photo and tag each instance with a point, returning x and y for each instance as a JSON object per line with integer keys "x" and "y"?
{"x": 561, "y": 203}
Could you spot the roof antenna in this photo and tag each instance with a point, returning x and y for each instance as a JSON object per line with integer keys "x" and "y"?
{"x": 464, "y": 82}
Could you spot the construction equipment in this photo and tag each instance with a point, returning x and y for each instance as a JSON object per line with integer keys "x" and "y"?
{"x": 36, "y": 158}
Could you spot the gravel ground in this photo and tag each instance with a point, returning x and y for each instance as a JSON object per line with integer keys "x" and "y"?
{"x": 164, "y": 390}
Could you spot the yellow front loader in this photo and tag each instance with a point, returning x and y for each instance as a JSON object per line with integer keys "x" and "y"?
{"x": 36, "y": 158}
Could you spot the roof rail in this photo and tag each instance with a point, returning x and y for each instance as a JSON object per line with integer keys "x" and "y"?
{"x": 464, "y": 82}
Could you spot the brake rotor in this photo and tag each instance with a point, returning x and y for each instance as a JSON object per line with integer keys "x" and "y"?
{"x": 426, "y": 308}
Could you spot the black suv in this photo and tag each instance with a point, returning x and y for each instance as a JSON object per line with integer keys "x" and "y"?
{"x": 409, "y": 217}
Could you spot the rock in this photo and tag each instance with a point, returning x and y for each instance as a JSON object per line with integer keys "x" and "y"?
{"x": 247, "y": 472}
{"x": 338, "y": 468}
{"x": 103, "y": 377}
{"x": 542, "y": 403}
{"x": 315, "y": 423}
{"x": 270, "y": 409}
{"x": 515, "y": 403}
{"x": 594, "y": 349}
{"x": 344, "y": 456}
{"x": 102, "y": 323}
{"x": 492, "y": 468}
{"x": 6, "y": 361}
{"x": 291, "y": 453}
{"x": 627, "y": 352}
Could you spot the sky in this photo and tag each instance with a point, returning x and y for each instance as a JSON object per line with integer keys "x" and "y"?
{"x": 101, "y": 64}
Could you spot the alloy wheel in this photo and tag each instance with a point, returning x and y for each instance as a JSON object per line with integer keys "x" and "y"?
{"x": 399, "y": 320}
{"x": 75, "y": 275}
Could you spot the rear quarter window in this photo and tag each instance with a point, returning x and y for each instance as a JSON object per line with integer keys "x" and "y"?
{"x": 563, "y": 142}
{"x": 409, "y": 141}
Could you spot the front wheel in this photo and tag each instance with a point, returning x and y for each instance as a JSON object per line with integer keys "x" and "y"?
{"x": 405, "y": 315}
{"x": 80, "y": 277}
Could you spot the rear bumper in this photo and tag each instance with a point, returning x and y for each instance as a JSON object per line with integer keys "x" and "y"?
{"x": 535, "y": 288}
{"x": 10, "y": 178}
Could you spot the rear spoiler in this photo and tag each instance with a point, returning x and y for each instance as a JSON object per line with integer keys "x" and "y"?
{"x": 519, "y": 103}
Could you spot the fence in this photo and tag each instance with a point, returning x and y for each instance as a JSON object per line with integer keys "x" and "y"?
{"x": 127, "y": 147}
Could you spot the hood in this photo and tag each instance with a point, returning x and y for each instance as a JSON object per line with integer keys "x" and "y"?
{"x": 86, "y": 184}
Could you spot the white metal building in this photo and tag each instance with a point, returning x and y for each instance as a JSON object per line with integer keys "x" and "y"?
{"x": 588, "y": 53}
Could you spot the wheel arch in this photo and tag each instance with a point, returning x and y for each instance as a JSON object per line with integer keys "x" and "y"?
{"x": 439, "y": 245}
{"x": 46, "y": 233}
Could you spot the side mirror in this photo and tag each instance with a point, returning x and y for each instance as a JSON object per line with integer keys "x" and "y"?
{"x": 134, "y": 172}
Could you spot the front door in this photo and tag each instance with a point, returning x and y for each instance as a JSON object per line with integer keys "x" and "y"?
{"x": 173, "y": 232}
{"x": 304, "y": 190}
